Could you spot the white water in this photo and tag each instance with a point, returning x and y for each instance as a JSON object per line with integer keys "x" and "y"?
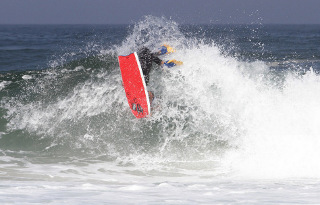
{"x": 225, "y": 132}
{"x": 3, "y": 84}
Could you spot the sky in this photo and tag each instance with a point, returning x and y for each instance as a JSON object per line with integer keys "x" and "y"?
{"x": 181, "y": 11}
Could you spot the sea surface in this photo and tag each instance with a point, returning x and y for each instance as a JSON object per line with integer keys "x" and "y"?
{"x": 237, "y": 123}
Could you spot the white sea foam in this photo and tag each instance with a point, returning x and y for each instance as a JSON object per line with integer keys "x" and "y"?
{"x": 27, "y": 77}
{"x": 282, "y": 137}
{"x": 3, "y": 84}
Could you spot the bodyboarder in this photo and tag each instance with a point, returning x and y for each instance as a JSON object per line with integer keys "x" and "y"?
{"x": 146, "y": 58}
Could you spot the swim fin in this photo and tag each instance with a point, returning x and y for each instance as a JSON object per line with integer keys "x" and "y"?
{"x": 166, "y": 49}
{"x": 171, "y": 63}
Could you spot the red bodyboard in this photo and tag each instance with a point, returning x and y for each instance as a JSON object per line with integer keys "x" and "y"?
{"x": 134, "y": 85}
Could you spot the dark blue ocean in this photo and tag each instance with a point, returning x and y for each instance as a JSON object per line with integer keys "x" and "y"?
{"x": 33, "y": 47}
{"x": 237, "y": 123}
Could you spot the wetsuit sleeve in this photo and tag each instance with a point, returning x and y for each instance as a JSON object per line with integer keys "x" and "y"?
{"x": 156, "y": 59}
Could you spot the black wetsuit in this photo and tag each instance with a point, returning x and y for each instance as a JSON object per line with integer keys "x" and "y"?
{"x": 146, "y": 58}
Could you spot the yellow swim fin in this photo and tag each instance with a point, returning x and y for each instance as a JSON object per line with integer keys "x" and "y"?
{"x": 166, "y": 49}
{"x": 171, "y": 63}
